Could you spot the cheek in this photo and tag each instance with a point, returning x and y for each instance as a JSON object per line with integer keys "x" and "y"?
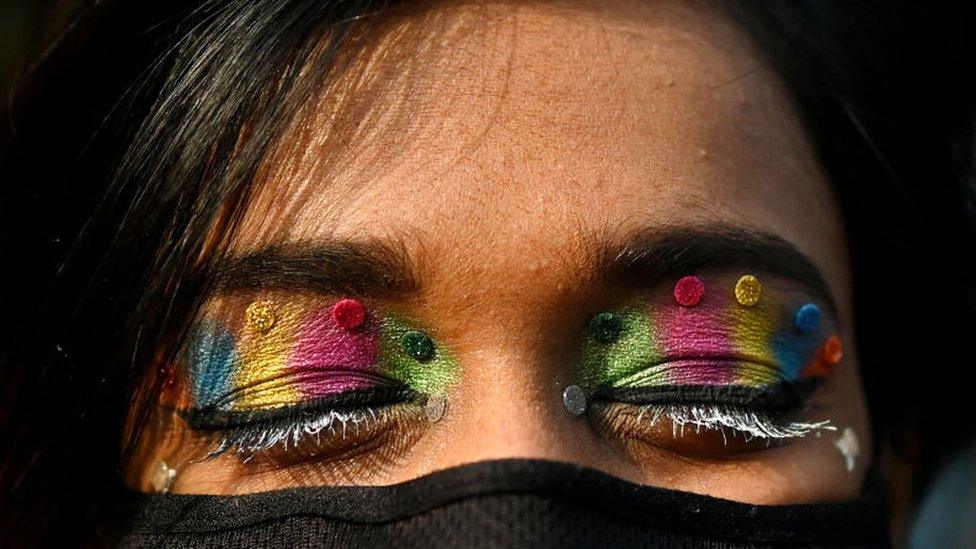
{"x": 814, "y": 469}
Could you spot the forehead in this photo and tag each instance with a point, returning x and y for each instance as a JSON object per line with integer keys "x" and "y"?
{"x": 512, "y": 130}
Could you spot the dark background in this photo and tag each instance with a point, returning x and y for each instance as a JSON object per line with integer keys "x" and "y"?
{"x": 19, "y": 23}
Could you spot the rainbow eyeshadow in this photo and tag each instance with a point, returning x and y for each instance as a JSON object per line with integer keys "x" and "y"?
{"x": 284, "y": 354}
{"x": 740, "y": 342}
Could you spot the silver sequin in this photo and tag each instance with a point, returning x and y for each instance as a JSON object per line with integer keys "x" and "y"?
{"x": 163, "y": 477}
{"x": 435, "y": 407}
{"x": 574, "y": 399}
{"x": 850, "y": 447}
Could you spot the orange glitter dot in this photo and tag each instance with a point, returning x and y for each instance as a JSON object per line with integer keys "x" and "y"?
{"x": 832, "y": 351}
{"x": 816, "y": 368}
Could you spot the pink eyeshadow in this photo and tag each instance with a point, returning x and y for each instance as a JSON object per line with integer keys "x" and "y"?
{"x": 329, "y": 359}
{"x": 700, "y": 332}
{"x": 701, "y": 372}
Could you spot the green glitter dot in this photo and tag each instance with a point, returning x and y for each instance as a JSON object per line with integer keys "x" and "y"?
{"x": 606, "y": 327}
{"x": 417, "y": 345}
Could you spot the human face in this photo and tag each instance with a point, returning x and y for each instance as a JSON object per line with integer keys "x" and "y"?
{"x": 524, "y": 167}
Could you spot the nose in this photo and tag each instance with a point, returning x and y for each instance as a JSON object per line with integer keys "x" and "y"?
{"x": 517, "y": 358}
{"x": 508, "y": 407}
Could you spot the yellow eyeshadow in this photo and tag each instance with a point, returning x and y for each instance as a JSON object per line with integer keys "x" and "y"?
{"x": 752, "y": 335}
{"x": 264, "y": 354}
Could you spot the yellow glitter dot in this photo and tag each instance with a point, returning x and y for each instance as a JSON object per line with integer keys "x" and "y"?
{"x": 261, "y": 315}
{"x": 748, "y": 290}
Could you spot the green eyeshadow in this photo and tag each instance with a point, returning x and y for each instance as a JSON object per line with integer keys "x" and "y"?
{"x": 633, "y": 348}
{"x": 409, "y": 355}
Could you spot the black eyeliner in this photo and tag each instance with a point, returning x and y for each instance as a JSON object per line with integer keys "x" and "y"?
{"x": 212, "y": 419}
{"x": 783, "y": 397}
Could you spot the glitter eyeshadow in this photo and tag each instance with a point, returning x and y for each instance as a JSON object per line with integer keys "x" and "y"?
{"x": 263, "y": 353}
{"x": 432, "y": 375}
{"x": 324, "y": 344}
{"x": 700, "y": 333}
{"x": 212, "y": 355}
{"x": 725, "y": 339}
{"x": 604, "y": 364}
{"x": 748, "y": 290}
{"x": 606, "y": 327}
{"x": 307, "y": 352}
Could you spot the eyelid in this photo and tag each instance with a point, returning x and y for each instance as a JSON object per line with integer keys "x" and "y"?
{"x": 665, "y": 330}
{"x": 323, "y": 436}
{"x": 779, "y": 398}
{"x": 276, "y": 390}
{"x": 304, "y": 341}
{"x": 269, "y": 371}
{"x": 721, "y": 369}
{"x": 212, "y": 419}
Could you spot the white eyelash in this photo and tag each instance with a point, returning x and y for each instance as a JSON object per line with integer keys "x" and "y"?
{"x": 750, "y": 424}
{"x": 332, "y": 423}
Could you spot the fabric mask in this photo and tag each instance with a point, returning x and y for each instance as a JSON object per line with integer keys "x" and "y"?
{"x": 505, "y": 503}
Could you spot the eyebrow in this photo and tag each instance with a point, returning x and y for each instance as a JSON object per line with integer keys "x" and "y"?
{"x": 649, "y": 257}
{"x": 643, "y": 259}
{"x": 357, "y": 268}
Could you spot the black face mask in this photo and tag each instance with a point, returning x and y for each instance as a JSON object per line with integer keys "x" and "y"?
{"x": 509, "y": 503}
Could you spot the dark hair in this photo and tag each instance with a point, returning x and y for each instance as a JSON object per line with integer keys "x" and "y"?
{"x": 141, "y": 125}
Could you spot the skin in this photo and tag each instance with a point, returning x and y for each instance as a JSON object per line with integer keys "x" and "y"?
{"x": 500, "y": 144}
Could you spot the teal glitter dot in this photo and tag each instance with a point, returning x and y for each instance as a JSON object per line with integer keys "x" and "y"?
{"x": 417, "y": 345}
{"x": 808, "y": 318}
{"x": 606, "y": 327}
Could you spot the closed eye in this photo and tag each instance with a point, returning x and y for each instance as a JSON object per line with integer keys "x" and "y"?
{"x": 780, "y": 397}
{"x": 214, "y": 418}
{"x": 335, "y": 383}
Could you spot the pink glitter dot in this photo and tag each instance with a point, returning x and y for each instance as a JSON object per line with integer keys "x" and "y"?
{"x": 688, "y": 291}
{"x": 348, "y": 314}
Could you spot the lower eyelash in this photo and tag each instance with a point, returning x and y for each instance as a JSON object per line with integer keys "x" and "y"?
{"x": 749, "y": 423}
{"x": 253, "y": 439}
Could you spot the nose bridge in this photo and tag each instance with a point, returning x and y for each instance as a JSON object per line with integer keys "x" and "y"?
{"x": 512, "y": 306}
{"x": 509, "y": 405}
{"x": 517, "y": 356}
